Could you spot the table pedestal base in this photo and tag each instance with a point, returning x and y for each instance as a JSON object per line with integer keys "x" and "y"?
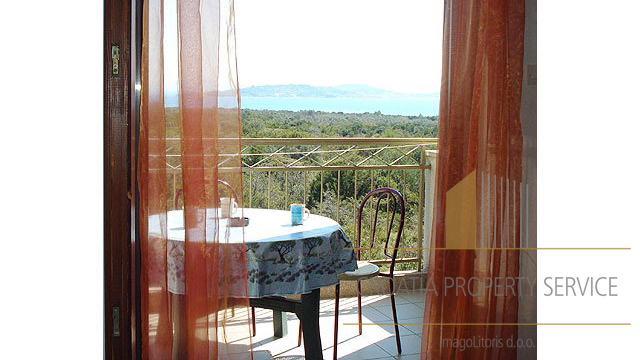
{"x": 279, "y": 324}
{"x": 307, "y": 310}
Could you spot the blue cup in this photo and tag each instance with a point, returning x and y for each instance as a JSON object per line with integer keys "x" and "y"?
{"x": 299, "y": 214}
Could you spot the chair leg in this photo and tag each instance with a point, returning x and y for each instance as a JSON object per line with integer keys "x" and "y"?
{"x": 300, "y": 334}
{"x": 335, "y": 323}
{"x": 179, "y": 316}
{"x": 359, "y": 309}
{"x": 253, "y": 320}
{"x": 233, "y": 311}
{"x": 395, "y": 316}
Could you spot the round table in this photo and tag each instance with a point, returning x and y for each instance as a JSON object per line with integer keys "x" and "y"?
{"x": 281, "y": 259}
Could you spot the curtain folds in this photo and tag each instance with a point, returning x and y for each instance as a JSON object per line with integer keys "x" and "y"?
{"x": 478, "y": 189}
{"x": 193, "y": 273}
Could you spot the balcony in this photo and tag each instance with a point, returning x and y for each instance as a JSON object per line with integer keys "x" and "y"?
{"x": 331, "y": 176}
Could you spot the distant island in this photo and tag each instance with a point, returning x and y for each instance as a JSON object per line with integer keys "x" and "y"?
{"x": 355, "y": 99}
{"x": 340, "y": 91}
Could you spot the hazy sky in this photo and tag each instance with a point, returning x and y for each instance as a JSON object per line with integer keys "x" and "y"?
{"x": 393, "y": 44}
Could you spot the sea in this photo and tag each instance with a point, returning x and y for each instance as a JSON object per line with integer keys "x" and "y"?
{"x": 426, "y": 106}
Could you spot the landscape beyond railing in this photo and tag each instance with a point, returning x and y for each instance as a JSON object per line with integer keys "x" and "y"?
{"x": 332, "y": 175}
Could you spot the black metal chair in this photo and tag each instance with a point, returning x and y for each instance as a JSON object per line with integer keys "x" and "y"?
{"x": 367, "y": 270}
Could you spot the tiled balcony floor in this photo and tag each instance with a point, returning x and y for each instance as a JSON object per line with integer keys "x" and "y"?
{"x": 376, "y": 341}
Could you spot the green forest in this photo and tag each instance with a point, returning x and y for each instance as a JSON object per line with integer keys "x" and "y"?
{"x": 300, "y": 124}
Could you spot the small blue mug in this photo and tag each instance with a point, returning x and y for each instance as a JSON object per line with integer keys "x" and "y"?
{"x": 299, "y": 214}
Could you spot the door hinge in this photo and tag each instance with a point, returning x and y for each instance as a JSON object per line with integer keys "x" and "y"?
{"x": 115, "y": 321}
{"x": 115, "y": 60}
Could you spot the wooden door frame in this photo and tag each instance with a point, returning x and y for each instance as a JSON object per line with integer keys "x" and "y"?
{"x": 121, "y": 111}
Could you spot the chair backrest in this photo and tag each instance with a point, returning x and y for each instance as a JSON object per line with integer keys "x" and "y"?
{"x": 226, "y": 186}
{"x": 395, "y": 203}
{"x": 221, "y": 184}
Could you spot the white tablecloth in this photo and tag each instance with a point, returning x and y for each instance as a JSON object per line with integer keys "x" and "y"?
{"x": 281, "y": 259}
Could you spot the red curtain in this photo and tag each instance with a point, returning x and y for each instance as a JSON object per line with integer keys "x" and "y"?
{"x": 190, "y": 278}
{"x": 480, "y": 146}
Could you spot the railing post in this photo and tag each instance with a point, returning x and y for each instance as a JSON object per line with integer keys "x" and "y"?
{"x": 269, "y": 190}
{"x": 405, "y": 194}
{"x": 286, "y": 189}
{"x": 321, "y": 192}
{"x": 338, "y": 199}
{"x": 431, "y": 157}
{"x": 250, "y": 189}
{"x": 420, "y": 243}
{"x": 304, "y": 174}
{"x": 355, "y": 204}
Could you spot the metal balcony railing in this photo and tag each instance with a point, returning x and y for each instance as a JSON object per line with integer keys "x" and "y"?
{"x": 331, "y": 175}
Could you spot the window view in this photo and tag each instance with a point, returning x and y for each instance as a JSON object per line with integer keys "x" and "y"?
{"x": 288, "y": 155}
{"x": 346, "y": 72}
{"x": 364, "y": 68}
